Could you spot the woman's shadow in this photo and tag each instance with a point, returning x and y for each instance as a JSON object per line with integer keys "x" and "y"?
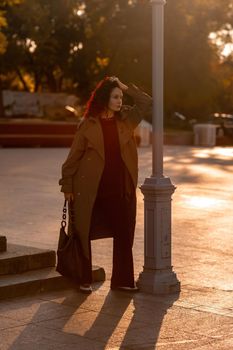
{"x": 41, "y": 324}
{"x": 124, "y": 320}
{"x": 128, "y": 320}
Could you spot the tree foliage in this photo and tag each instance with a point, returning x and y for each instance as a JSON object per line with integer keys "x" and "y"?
{"x": 68, "y": 45}
{"x": 192, "y": 85}
{"x": 4, "y": 4}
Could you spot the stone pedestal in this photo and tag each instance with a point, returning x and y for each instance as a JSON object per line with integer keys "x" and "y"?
{"x": 157, "y": 276}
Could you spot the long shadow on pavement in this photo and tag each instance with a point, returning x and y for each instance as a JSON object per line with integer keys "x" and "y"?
{"x": 43, "y": 328}
{"x": 130, "y": 321}
{"x": 149, "y": 312}
{"x": 103, "y": 320}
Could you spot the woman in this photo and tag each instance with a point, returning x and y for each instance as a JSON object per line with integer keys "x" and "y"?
{"x": 100, "y": 176}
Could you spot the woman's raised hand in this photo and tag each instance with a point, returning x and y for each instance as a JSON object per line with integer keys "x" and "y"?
{"x": 69, "y": 196}
{"x": 120, "y": 84}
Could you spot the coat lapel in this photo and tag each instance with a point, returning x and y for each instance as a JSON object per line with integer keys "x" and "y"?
{"x": 95, "y": 136}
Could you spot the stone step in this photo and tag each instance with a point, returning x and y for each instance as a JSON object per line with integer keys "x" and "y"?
{"x": 3, "y": 244}
{"x": 38, "y": 281}
{"x": 19, "y": 259}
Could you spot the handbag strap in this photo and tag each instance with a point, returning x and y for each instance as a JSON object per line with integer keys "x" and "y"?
{"x": 71, "y": 213}
{"x": 63, "y": 222}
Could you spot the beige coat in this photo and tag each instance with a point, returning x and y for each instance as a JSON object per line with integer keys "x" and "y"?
{"x": 82, "y": 170}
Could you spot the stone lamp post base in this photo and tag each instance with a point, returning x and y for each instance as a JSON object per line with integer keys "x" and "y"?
{"x": 158, "y": 282}
{"x": 157, "y": 276}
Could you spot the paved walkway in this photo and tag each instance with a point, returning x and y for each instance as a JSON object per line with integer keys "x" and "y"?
{"x": 200, "y": 317}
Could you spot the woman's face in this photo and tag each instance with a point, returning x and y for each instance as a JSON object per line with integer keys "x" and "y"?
{"x": 115, "y": 101}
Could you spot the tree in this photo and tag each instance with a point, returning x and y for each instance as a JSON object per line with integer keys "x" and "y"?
{"x": 59, "y": 45}
{"x": 192, "y": 85}
{"x": 4, "y": 4}
{"x": 41, "y": 36}
{"x": 62, "y": 45}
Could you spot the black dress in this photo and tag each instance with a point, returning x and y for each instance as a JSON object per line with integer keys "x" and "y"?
{"x": 117, "y": 209}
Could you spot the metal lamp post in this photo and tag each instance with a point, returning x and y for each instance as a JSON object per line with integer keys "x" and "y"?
{"x": 157, "y": 276}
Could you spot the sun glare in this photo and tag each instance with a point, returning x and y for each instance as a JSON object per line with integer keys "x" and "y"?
{"x": 203, "y": 202}
{"x": 80, "y": 11}
{"x": 220, "y": 152}
{"x": 223, "y": 39}
{"x": 228, "y": 50}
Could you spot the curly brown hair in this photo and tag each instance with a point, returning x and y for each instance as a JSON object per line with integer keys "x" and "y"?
{"x": 99, "y": 99}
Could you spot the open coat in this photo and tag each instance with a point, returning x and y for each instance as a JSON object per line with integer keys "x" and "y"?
{"x": 83, "y": 168}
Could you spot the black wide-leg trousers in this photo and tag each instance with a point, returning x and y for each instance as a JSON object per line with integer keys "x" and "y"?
{"x": 119, "y": 215}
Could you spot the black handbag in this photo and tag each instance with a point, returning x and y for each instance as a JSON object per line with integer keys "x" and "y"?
{"x": 69, "y": 251}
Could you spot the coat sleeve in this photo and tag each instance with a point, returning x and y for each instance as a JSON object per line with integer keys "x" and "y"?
{"x": 142, "y": 108}
{"x": 71, "y": 164}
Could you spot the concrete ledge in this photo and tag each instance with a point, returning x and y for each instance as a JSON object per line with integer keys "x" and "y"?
{"x": 38, "y": 281}
{"x": 224, "y": 141}
{"x": 179, "y": 138}
{"x": 18, "y": 259}
{"x": 39, "y": 133}
{"x": 36, "y": 133}
{"x": 42, "y": 133}
{"x": 36, "y": 140}
{"x": 3, "y": 244}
